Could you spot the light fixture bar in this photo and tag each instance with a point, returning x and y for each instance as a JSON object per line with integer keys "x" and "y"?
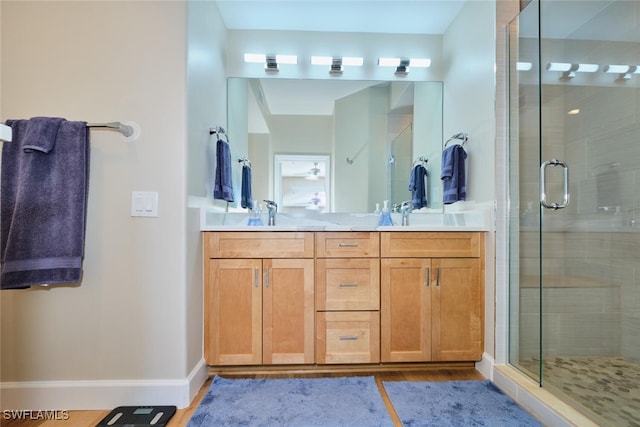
{"x": 353, "y": 61}
{"x": 524, "y": 66}
{"x": 586, "y": 68}
{"x": 287, "y": 59}
{"x": 388, "y": 62}
{"x": 559, "y": 66}
{"x": 403, "y": 69}
{"x": 420, "y": 62}
{"x": 616, "y": 69}
{"x": 259, "y": 58}
{"x": 321, "y": 60}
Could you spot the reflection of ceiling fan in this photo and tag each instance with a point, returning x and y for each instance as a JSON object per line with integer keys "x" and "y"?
{"x": 313, "y": 172}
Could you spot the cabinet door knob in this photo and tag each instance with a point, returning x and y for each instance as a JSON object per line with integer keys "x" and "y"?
{"x": 266, "y": 282}
{"x": 437, "y": 276}
{"x": 427, "y": 276}
{"x": 256, "y": 277}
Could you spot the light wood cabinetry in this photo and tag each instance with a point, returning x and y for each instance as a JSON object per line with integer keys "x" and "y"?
{"x": 285, "y": 298}
{"x": 348, "y": 337}
{"x": 347, "y": 297}
{"x": 259, "y": 298}
{"x": 431, "y": 296}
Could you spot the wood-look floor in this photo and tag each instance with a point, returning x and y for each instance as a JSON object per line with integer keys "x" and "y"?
{"x": 182, "y": 416}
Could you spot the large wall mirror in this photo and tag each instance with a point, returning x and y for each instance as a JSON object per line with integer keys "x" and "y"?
{"x": 371, "y": 133}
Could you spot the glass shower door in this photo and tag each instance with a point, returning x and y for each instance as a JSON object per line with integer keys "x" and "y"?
{"x": 582, "y": 242}
{"x": 524, "y": 167}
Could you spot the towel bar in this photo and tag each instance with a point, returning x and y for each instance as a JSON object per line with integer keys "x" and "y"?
{"x": 125, "y": 130}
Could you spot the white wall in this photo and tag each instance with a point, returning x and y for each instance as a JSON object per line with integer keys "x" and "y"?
{"x": 469, "y": 92}
{"x": 120, "y": 336}
{"x": 206, "y": 108}
{"x": 469, "y": 106}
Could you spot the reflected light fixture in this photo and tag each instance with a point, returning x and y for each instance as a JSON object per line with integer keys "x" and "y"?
{"x": 523, "y": 66}
{"x": 624, "y": 71}
{"x": 569, "y": 70}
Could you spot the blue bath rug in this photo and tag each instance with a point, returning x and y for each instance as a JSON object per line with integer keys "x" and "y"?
{"x": 351, "y": 401}
{"x": 455, "y": 403}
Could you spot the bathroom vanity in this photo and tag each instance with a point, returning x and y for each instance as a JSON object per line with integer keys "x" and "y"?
{"x": 337, "y": 294}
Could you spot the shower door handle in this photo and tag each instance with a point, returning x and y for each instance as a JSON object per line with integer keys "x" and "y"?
{"x": 543, "y": 185}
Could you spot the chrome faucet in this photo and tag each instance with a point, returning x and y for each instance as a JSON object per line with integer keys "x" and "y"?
{"x": 272, "y": 208}
{"x": 405, "y": 208}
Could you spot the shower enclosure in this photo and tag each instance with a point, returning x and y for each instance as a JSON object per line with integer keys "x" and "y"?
{"x": 574, "y": 188}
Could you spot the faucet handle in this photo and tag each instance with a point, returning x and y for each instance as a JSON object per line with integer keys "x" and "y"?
{"x": 271, "y": 204}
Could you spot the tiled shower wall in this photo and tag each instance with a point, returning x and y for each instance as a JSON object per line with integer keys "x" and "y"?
{"x": 591, "y": 250}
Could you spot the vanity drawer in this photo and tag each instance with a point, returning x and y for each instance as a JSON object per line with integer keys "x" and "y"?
{"x": 450, "y": 244}
{"x": 349, "y": 244}
{"x": 348, "y": 337}
{"x": 258, "y": 244}
{"x": 347, "y": 284}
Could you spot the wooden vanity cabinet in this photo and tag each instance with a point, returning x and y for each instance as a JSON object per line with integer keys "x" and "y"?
{"x": 343, "y": 297}
{"x": 432, "y": 293}
{"x": 259, "y": 306}
{"x": 347, "y": 297}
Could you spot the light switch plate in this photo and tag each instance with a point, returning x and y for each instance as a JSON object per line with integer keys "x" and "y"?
{"x": 144, "y": 203}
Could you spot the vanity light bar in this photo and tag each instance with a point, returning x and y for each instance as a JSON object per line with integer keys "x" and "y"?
{"x": 261, "y": 58}
{"x": 617, "y": 69}
{"x": 351, "y": 61}
{"x": 413, "y": 62}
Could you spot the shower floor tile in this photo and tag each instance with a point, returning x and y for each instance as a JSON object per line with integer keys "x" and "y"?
{"x": 604, "y": 388}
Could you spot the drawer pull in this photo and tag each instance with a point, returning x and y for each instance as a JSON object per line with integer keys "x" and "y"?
{"x": 349, "y": 338}
{"x": 348, "y": 245}
{"x": 348, "y": 285}
{"x": 427, "y": 276}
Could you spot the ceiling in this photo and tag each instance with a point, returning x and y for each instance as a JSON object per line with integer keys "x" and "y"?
{"x": 368, "y": 16}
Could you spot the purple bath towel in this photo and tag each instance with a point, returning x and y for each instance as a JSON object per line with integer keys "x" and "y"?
{"x": 453, "y": 174}
{"x": 223, "y": 188}
{"x": 45, "y": 177}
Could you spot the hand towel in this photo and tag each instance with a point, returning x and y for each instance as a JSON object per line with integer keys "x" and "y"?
{"x": 41, "y": 134}
{"x": 246, "y": 198}
{"x": 453, "y": 174}
{"x": 417, "y": 186}
{"x": 43, "y": 204}
{"x": 223, "y": 188}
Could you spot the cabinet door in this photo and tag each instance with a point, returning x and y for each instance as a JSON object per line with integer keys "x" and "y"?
{"x": 457, "y": 309}
{"x": 233, "y": 313}
{"x": 405, "y": 322}
{"x": 288, "y": 311}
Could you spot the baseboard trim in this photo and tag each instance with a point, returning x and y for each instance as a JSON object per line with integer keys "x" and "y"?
{"x": 485, "y": 366}
{"x": 279, "y": 370}
{"x": 547, "y": 408}
{"x": 101, "y": 394}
